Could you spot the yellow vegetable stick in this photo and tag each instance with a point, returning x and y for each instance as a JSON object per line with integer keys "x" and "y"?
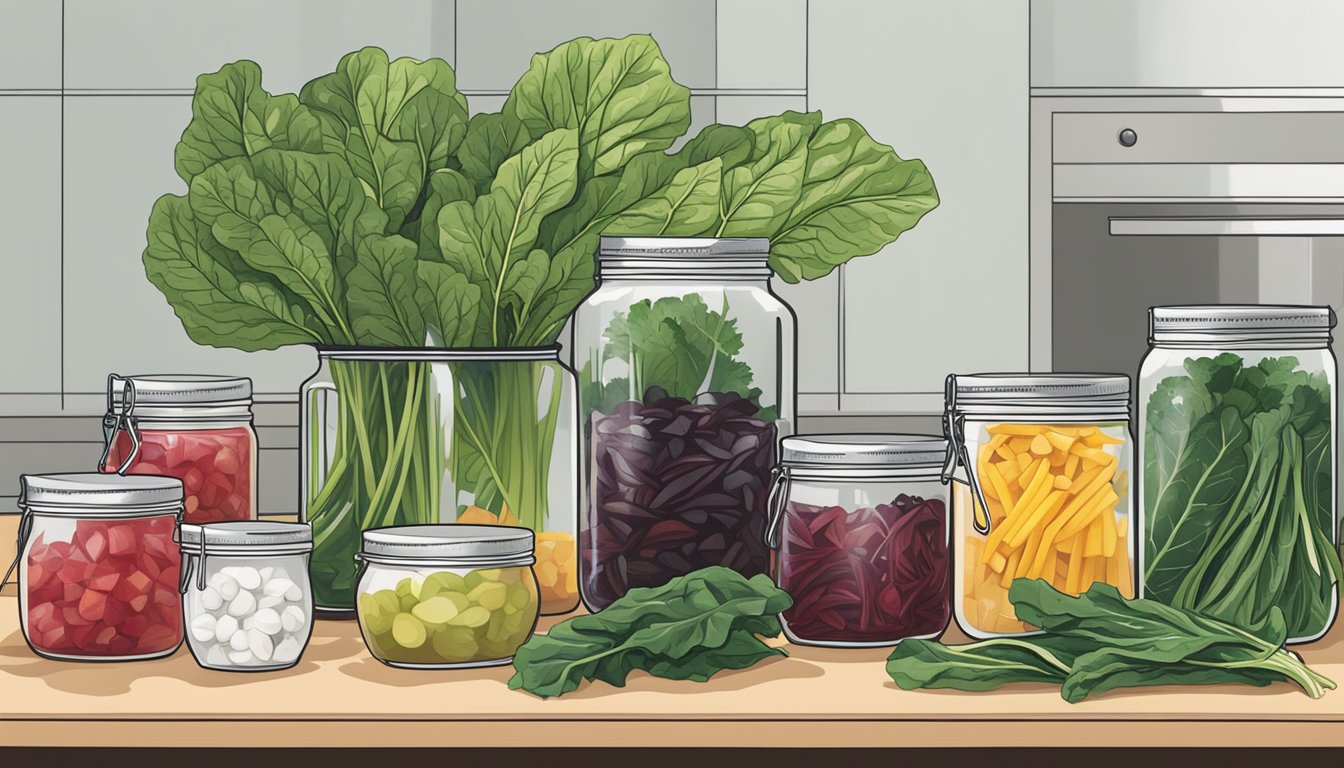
{"x": 1075, "y": 576}
{"x": 1060, "y": 440}
{"x": 994, "y": 443}
{"x": 1010, "y": 570}
{"x": 1112, "y": 571}
{"x": 1108, "y": 537}
{"x": 1001, "y": 491}
{"x": 1038, "y": 486}
{"x": 996, "y": 534}
{"x": 1094, "y": 455}
{"x": 1080, "y": 501}
{"x": 1033, "y": 519}
{"x": 1008, "y": 470}
{"x": 1071, "y": 465}
{"x": 1062, "y": 482}
{"x": 1029, "y": 553}
{"x": 1003, "y": 452}
{"x": 997, "y": 562}
{"x": 1099, "y": 438}
{"x": 1024, "y": 460}
{"x": 1093, "y": 549}
{"x": 981, "y": 468}
{"x": 1105, "y": 501}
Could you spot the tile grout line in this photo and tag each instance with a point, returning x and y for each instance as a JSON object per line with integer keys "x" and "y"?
{"x": 61, "y": 215}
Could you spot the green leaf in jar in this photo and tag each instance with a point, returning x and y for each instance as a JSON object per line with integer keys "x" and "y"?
{"x": 382, "y": 293}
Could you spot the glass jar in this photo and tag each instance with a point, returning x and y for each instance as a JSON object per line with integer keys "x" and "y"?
{"x": 860, "y": 523}
{"x": 1043, "y": 490}
{"x": 426, "y": 436}
{"x": 686, "y": 363}
{"x": 195, "y": 428}
{"x": 1238, "y": 457}
{"x": 99, "y": 566}
{"x": 249, "y": 603}
{"x": 447, "y": 596}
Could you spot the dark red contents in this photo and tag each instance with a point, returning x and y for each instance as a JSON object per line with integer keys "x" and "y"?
{"x": 109, "y": 591}
{"x": 871, "y": 575}
{"x": 214, "y": 465}
{"x": 677, "y": 486}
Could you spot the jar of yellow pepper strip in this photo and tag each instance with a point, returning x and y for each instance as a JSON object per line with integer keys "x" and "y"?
{"x": 1042, "y": 465}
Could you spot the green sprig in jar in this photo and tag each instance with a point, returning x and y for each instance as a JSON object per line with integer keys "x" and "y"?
{"x": 447, "y": 596}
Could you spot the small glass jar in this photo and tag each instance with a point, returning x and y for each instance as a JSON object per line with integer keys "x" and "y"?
{"x": 195, "y": 428}
{"x": 687, "y": 379}
{"x": 447, "y": 596}
{"x": 1237, "y": 407}
{"x": 99, "y": 566}
{"x": 1044, "y": 489}
{"x": 860, "y": 523}
{"x": 249, "y": 602}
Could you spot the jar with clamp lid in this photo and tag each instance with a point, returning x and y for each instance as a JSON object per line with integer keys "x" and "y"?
{"x": 248, "y": 600}
{"x": 99, "y": 566}
{"x": 861, "y": 530}
{"x": 1237, "y": 408}
{"x": 1043, "y": 466}
{"x": 195, "y": 428}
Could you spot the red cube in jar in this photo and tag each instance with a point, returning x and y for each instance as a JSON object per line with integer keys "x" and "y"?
{"x": 98, "y": 577}
{"x": 195, "y": 428}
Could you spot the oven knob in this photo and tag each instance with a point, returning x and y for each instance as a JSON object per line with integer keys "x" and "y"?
{"x": 1128, "y": 137}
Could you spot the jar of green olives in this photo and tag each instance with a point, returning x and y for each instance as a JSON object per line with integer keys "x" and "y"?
{"x": 447, "y": 596}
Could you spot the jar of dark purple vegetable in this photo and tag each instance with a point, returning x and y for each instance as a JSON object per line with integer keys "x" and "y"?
{"x": 686, "y": 370}
{"x": 861, "y": 526}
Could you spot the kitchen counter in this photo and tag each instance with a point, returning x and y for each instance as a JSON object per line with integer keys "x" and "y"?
{"x": 339, "y": 696}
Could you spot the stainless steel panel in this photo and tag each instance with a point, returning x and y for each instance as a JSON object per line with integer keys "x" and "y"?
{"x": 1199, "y": 137}
{"x": 1194, "y": 181}
{"x": 1241, "y": 227}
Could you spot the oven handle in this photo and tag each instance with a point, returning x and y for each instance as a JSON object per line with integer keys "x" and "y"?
{"x": 1227, "y": 227}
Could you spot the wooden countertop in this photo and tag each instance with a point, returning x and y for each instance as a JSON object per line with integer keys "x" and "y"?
{"x": 339, "y": 696}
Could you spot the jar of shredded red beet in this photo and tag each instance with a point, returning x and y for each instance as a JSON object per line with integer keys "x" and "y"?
{"x": 195, "y": 428}
{"x": 861, "y": 528}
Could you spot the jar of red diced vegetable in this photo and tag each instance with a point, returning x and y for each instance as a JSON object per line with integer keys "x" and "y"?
{"x": 861, "y": 528}
{"x": 98, "y": 566}
{"x": 195, "y": 428}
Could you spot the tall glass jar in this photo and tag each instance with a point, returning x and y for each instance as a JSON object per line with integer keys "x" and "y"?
{"x": 99, "y": 567}
{"x": 195, "y": 428}
{"x": 860, "y": 524}
{"x": 421, "y": 436}
{"x": 1043, "y": 464}
{"x": 686, "y": 363}
{"x": 1238, "y": 411}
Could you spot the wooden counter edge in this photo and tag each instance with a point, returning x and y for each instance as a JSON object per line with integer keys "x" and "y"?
{"x": 705, "y": 733}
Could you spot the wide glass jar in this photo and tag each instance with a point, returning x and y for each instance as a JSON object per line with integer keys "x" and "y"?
{"x": 195, "y": 428}
{"x": 248, "y": 603}
{"x": 1043, "y": 465}
{"x": 1238, "y": 411}
{"x": 861, "y": 527}
{"x": 447, "y": 596}
{"x": 99, "y": 566}
{"x": 426, "y": 436}
{"x": 686, "y": 364}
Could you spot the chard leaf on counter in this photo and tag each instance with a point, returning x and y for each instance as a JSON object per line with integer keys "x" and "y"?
{"x": 688, "y": 629}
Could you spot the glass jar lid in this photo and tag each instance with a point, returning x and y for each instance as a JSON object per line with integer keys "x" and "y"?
{"x": 1240, "y": 322}
{"x": 478, "y": 546}
{"x": 103, "y": 495}
{"x": 248, "y": 537}
{"x": 862, "y": 450}
{"x": 650, "y": 258}
{"x": 1089, "y": 395}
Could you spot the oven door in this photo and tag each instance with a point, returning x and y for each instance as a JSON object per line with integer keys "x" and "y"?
{"x": 1113, "y": 260}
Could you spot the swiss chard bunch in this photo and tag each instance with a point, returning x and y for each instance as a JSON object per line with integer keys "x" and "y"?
{"x": 1099, "y": 641}
{"x": 369, "y": 210}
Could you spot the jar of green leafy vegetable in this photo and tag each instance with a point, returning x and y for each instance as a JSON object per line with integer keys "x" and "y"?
{"x": 425, "y": 436}
{"x": 447, "y": 596}
{"x": 1238, "y": 455}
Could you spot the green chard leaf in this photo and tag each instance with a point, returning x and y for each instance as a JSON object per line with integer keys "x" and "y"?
{"x": 758, "y": 196}
{"x": 219, "y": 299}
{"x": 445, "y": 186}
{"x": 492, "y": 138}
{"x": 981, "y": 666}
{"x": 450, "y": 304}
{"x": 687, "y": 629}
{"x": 687, "y": 206}
{"x": 232, "y": 116}
{"x": 618, "y": 95}
{"x": 399, "y": 121}
{"x": 485, "y": 241}
{"x": 381, "y": 293}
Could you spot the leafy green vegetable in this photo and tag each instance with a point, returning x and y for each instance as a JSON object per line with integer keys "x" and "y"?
{"x": 1100, "y": 641}
{"x": 1237, "y": 488}
{"x": 688, "y": 629}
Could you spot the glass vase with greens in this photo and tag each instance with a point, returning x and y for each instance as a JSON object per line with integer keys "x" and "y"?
{"x": 370, "y": 212}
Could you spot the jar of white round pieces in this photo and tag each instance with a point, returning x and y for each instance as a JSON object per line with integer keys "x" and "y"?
{"x": 249, "y": 602}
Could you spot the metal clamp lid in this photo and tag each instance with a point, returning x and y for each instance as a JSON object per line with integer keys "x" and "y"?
{"x": 249, "y": 537}
{"x": 1240, "y": 323}
{"x": 132, "y": 399}
{"x": 475, "y": 545}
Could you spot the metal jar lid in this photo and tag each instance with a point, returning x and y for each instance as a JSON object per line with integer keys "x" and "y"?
{"x": 1240, "y": 322}
{"x": 103, "y": 495}
{"x": 683, "y": 257}
{"x": 478, "y": 546}
{"x": 1083, "y": 395}
{"x": 862, "y": 450}
{"x": 181, "y": 389}
{"x": 248, "y": 537}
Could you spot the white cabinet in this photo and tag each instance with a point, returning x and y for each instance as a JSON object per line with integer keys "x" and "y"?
{"x": 1187, "y": 44}
{"x": 945, "y": 82}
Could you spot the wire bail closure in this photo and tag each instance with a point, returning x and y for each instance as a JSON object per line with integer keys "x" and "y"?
{"x": 116, "y": 421}
{"x": 774, "y": 504}
{"x": 25, "y": 528}
{"x": 954, "y": 429}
